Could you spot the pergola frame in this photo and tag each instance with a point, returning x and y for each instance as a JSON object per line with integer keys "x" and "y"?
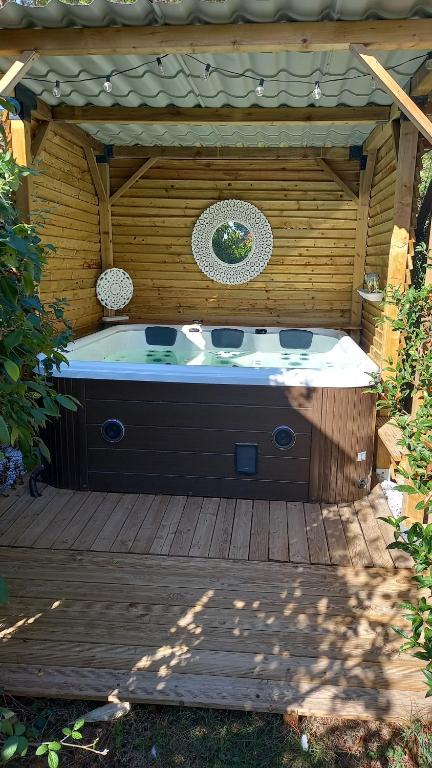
{"x": 359, "y": 37}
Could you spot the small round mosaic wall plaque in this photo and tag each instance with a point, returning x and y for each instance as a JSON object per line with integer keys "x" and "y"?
{"x": 232, "y": 242}
{"x": 114, "y": 288}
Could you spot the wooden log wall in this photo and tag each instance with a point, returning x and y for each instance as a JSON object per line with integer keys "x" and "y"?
{"x": 65, "y": 205}
{"x": 309, "y": 278}
{"x": 379, "y": 232}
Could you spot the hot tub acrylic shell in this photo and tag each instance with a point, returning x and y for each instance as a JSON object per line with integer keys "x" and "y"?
{"x": 185, "y": 427}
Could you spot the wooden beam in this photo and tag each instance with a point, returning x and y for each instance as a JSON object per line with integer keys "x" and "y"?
{"x": 39, "y": 140}
{"x": 421, "y": 82}
{"x": 378, "y": 35}
{"x": 400, "y": 239}
{"x": 94, "y": 173}
{"x": 230, "y": 153}
{"x": 366, "y": 177}
{"x": 17, "y": 71}
{"x": 340, "y": 182}
{"x": 135, "y": 176}
{"x": 406, "y": 104}
{"x": 220, "y": 116}
{"x": 21, "y": 151}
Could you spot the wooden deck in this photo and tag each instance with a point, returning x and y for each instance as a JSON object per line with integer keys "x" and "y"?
{"x": 234, "y": 529}
{"x": 213, "y": 602}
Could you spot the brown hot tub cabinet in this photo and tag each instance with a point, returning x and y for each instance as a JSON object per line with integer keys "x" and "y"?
{"x": 214, "y": 440}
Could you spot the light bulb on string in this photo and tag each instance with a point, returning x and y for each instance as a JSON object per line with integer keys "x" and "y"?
{"x": 317, "y": 92}
{"x": 160, "y": 65}
{"x": 107, "y": 86}
{"x": 259, "y": 90}
{"x": 206, "y": 72}
{"x": 56, "y": 91}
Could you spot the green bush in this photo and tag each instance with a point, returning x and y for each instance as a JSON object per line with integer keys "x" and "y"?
{"x": 28, "y": 328}
{"x": 408, "y": 377}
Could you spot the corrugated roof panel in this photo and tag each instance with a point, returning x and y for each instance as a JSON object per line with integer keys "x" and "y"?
{"x": 142, "y": 12}
{"x": 232, "y": 136}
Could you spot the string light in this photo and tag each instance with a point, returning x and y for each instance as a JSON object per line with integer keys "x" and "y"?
{"x": 207, "y": 68}
{"x": 317, "y": 92}
{"x": 107, "y": 86}
{"x": 259, "y": 90}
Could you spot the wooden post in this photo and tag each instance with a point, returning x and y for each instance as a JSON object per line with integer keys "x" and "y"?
{"x": 21, "y": 151}
{"x": 366, "y": 177}
{"x": 400, "y": 239}
{"x": 105, "y": 218}
{"x": 105, "y": 225}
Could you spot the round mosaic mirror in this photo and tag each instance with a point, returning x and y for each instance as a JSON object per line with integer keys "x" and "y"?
{"x": 232, "y": 242}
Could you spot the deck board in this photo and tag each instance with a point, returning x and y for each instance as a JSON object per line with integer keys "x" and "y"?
{"x": 239, "y": 617}
{"x": 278, "y": 531}
{"x": 221, "y": 539}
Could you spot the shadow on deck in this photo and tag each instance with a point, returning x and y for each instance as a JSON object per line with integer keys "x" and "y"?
{"x": 267, "y": 606}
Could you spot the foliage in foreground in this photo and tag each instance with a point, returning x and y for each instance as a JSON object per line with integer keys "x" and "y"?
{"x": 417, "y": 542}
{"x": 20, "y": 740}
{"x": 408, "y": 379}
{"x": 28, "y": 328}
{"x": 181, "y": 737}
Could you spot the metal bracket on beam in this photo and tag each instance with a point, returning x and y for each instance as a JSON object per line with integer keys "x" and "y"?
{"x": 355, "y": 152}
{"x": 27, "y": 99}
{"x": 106, "y": 156}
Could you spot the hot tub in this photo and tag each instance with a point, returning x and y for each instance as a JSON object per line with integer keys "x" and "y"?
{"x": 266, "y": 413}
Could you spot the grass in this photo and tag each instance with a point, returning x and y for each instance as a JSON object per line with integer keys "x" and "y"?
{"x": 178, "y": 737}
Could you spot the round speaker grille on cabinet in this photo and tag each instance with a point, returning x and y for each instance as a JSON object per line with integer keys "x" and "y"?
{"x": 283, "y": 437}
{"x": 112, "y": 430}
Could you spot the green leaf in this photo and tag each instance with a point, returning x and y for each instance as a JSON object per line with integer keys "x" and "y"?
{"x": 55, "y": 745}
{"x": 6, "y": 714}
{"x": 79, "y": 724}
{"x": 19, "y": 729}
{"x": 66, "y": 402}
{"x": 53, "y": 759}
{"x": 8, "y": 105}
{"x": 12, "y": 369}
{"x": 76, "y": 735}
{"x": 406, "y": 489}
{"x": 44, "y": 450}
{"x": 28, "y": 283}
{"x": 9, "y": 748}
{"x": 50, "y": 406}
{"x": 6, "y": 728}
{"x": 42, "y": 749}
{"x": 13, "y": 338}
{"x": 22, "y": 746}
{"x": 4, "y": 432}
{"x": 67, "y": 731}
